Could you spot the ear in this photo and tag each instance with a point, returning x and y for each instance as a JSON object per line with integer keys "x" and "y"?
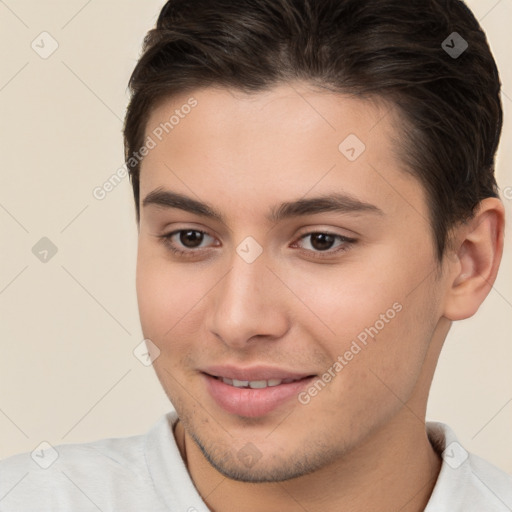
{"x": 472, "y": 267}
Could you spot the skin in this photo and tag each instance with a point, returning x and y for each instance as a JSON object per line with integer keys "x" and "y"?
{"x": 360, "y": 444}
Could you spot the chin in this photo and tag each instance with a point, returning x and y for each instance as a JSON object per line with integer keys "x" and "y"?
{"x": 249, "y": 465}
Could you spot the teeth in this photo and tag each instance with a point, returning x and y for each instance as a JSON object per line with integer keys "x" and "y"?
{"x": 240, "y": 383}
{"x": 255, "y": 384}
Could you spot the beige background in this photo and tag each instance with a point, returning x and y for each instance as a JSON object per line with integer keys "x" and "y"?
{"x": 68, "y": 326}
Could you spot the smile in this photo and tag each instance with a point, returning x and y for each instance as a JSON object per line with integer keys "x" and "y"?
{"x": 255, "y": 384}
{"x": 258, "y": 394}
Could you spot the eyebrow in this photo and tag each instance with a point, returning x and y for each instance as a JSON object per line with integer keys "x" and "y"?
{"x": 334, "y": 202}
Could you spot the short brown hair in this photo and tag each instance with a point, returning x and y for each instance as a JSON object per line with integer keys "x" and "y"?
{"x": 389, "y": 49}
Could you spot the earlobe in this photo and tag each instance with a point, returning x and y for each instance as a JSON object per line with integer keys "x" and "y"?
{"x": 472, "y": 272}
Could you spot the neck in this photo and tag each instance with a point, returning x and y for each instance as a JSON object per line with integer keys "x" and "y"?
{"x": 394, "y": 469}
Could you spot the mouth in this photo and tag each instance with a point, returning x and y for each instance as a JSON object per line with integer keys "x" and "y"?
{"x": 256, "y": 384}
{"x": 259, "y": 393}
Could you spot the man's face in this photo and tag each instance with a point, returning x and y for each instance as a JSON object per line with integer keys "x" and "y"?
{"x": 346, "y": 300}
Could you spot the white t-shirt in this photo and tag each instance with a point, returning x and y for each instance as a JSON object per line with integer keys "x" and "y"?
{"x": 145, "y": 473}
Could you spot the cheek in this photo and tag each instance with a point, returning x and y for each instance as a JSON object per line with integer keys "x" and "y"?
{"x": 340, "y": 301}
{"x": 374, "y": 362}
{"x": 166, "y": 294}
{"x": 169, "y": 308}
{"x": 370, "y": 314}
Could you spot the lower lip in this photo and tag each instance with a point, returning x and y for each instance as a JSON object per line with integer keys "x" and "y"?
{"x": 252, "y": 403}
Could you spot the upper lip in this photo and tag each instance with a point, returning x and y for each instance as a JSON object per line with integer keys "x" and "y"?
{"x": 253, "y": 373}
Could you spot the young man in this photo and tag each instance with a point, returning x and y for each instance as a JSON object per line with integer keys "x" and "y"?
{"x": 316, "y": 204}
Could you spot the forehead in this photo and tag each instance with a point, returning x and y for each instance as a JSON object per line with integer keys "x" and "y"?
{"x": 296, "y": 108}
{"x": 279, "y": 144}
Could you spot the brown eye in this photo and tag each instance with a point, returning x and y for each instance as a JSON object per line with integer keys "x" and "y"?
{"x": 322, "y": 241}
{"x": 318, "y": 244}
{"x": 186, "y": 242}
{"x": 191, "y": 238}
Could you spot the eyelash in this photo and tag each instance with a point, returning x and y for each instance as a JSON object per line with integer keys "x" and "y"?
{"x": 347, "y": 242}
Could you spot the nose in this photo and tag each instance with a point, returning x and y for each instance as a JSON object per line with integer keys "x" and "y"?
{"x": 248, "y": 304}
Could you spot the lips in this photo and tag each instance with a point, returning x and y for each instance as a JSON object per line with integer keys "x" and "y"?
{"x": 253, "y": 392}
